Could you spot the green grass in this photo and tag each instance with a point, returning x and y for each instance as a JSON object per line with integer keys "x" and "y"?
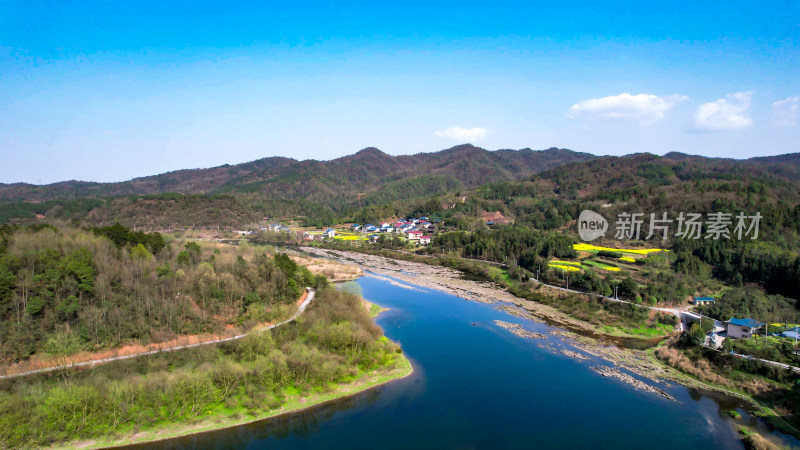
{"x": 498, "y": 274}
{"x": 225, "y": 417}
{"x": 376, "y": 309}
{"x": 643, "y": 330}
{"x": 601, "y": 265}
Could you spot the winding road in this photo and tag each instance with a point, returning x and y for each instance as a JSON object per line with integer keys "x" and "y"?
{"x": 93, "y": 362}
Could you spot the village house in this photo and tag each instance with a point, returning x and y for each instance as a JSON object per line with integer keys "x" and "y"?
{"x": 703, "y": 300}
{"x": 414, "y": 235}
{"x": 742, "y": 328}
{"x": 424, "y": 240}
{"x": 330, "y": 232}
{"x": 792, "y": 333}
{"x": 355, "y": 227}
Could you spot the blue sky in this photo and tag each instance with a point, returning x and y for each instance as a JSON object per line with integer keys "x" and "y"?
{"x": 107, "y": 91}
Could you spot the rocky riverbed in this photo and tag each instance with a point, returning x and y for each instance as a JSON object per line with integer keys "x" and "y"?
{"x": 625, "y": 378}
{"x": 451, "y": 281}
{"x": 574, "y": 354}
{"x": 519, "y": 331}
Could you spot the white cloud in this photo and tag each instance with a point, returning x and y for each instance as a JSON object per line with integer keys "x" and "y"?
{"x": 645, "y": 108}
{"x": 463, "y": 134}
{"x": 786, "y": 111}
{"x": 725, "y": 114}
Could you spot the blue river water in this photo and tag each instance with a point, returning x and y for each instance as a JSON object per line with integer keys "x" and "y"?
{"x": 477, "y": 386}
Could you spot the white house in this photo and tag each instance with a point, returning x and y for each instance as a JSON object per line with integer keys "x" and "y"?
{"x": 424, "y": 240}
{"x": 414, "y": 235}
{"x": 330, "y": 232}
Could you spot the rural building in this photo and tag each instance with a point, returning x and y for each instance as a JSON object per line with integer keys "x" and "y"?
{"x": 742, "y": 328}
{"x": 414, "y": 235}
{"x": 330, "y": 232}
{"x": 703, "y": 300}
{"x": 424, "y": 240}
{"x": 792, "y": 333}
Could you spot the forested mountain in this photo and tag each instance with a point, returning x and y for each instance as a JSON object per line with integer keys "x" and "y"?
{"x": 366, "y": 171}
{"x": 64, "y": 290}
{"x": 547, "y": 206}
{"x": 542, "y": 188}
{"x": 232, "y": 196}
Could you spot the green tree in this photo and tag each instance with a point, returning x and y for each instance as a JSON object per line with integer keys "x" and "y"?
{"x": 7, "y": 286}
{"x": 80, "y": 266}
{"x": 140, "y": 253}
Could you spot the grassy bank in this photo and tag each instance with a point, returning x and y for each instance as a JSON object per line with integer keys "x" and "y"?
{"x": 758, "y": 390}
{"x": 334, "y": 349}
{"x": 228, "y": 418}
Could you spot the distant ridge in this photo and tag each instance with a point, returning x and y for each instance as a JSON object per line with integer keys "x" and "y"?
{"x": 371, "y": 183}
{"x": 365, "y": 169}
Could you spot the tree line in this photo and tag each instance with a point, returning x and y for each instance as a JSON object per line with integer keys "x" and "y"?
{"x": 335, "y": 341}
{"x": 66, "y": 289}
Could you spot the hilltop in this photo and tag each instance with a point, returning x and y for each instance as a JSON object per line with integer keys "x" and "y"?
{"x": 234, "y": 195}
{"x": 364, "y": 171}
{"x": 372, "y": 185}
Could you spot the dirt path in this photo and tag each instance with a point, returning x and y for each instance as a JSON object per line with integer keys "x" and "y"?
{"x": 302, "y": 302}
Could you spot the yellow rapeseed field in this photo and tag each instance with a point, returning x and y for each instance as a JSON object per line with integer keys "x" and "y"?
{"x": 635, "y": 251}
{"x": 564, "y": 267}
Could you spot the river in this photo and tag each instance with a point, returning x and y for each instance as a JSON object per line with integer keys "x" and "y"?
{"x": 476, "y": 385}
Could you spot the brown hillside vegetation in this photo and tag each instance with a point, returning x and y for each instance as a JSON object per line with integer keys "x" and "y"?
{"x": 497, "y": 217}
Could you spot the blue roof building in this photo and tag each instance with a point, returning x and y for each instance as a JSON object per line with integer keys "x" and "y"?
{"x": 791, "y": 334}
{"x": 750, "y": 323}
{"x": 742, "y": 328}
{"x": 703, "y": 300}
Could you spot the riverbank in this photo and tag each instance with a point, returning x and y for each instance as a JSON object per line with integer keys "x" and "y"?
{"x": 580, "y": 335}
{"x": 401, "y": 369}
{"x": 452, "y": 281}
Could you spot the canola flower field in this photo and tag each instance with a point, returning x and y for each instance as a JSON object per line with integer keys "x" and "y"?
{"x": 574, "y": 266}
{"x": 582, "y": 247}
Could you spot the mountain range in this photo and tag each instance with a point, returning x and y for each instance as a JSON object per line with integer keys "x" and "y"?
{"x": 364, "y": 171}
{"x": 371, "y": 180}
